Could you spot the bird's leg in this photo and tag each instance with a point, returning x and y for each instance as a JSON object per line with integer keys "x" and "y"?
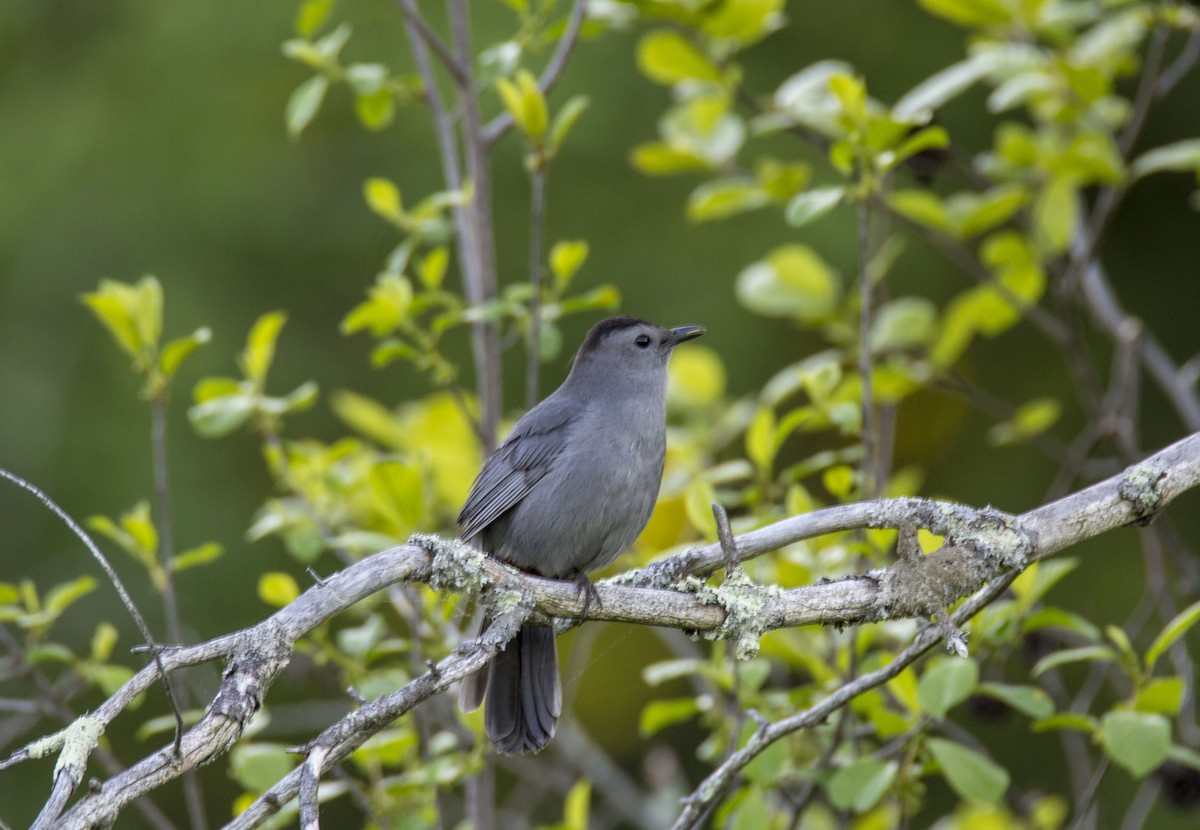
{"x": 584, "y": 586}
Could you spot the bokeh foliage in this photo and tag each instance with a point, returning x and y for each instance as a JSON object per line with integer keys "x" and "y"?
{"x": 823, "y": 185}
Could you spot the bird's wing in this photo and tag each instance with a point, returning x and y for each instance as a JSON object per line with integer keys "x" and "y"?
{"x": 517, "y": 465}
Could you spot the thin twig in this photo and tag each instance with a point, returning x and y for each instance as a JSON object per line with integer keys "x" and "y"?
{"x": 866, "y": 298}
{"x": 310, "y": 780}
{"x": 414, "y": 19}
{"x": 537, "y": 221}
{"x": 116, "y": 582}
{"x": 1179, "y": 68}
{"x": 484, "y": 346}
{"x": 193, "y": 790}
{"x": 259, "y": 654}
{"x": 483, "y": 288}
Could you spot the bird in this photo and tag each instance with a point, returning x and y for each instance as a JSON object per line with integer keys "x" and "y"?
{"x": 566, "y": 493}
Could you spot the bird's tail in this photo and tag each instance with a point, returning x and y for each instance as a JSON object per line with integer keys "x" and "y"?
{"x": 523, "y": 692}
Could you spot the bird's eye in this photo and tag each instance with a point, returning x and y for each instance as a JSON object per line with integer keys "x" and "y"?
{"x": 642, "y": 341}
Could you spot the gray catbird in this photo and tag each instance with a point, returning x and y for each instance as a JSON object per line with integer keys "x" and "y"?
{"x": 569, "y": 489}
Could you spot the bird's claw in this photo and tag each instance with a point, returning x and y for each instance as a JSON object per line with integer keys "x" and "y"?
{"x": 584, "y": 586}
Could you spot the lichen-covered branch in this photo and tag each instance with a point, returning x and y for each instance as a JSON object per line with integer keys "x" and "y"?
{"x": 982, "y": 547}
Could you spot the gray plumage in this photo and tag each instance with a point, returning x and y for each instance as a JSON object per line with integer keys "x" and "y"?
{"x": 566, "y": 493}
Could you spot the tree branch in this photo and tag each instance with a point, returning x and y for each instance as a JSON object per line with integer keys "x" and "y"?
{"x": 980, "y": 545}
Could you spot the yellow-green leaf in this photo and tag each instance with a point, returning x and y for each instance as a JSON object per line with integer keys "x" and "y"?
{"x": 304, "y": 103}
{"x": 1137, "y": 741}
{"x": 662, "y": 160}
{"x": 793, "y": 281}
{"x": 566, "y": 258}
{"x": 667, "y": 57}
{"x": 1056, "y": 214}
{"x": 1172, "y": 631}
{"x": 177, "y": 351}
{"x": 260, "y": 347}
{"x": 103, "y": 640}
{"x": 277, "y": 589}
{"x": 383, "y": 198}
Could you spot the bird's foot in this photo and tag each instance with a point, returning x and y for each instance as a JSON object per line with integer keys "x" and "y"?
{"x": 585, "y": 587}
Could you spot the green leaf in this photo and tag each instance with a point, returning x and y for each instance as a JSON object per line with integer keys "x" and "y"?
{"x": 971, "y": 775}
{"x": 375, "y": 110}
{"x": 1029, "y": 700}
{"x": 1181, "y": 156}
{"x": 659, "y": 714}
{"x": 330, "y": 46}
{"x": 793, "y": 281}
{"x": 1161, "y": 695}
{"x": 300, "y": 399}
{"x": 946, "y": 685}
{"x": 432, "y": 268}
{"x": 311, "y": 15}
{"x": 667, "y": 57}
{"x": 383, "y": 198}
{"x": 697, "y": 504}
{"x": 746, "y": 21}
{"x": 61, "y": 596}
{"x": 922, "y": 207}
{"x": 367, "y": 78}
{"x": 722, "y": 198}
{"x": 1058, "y": 618}
{"x": 1056, "y": 214}
{"x": 1184, "y": 755}
{"x": 838, "y": 480}
{"x": 972, "y": 14}
{"x": 919, "y": 103}
{"x": 526, "y": 104}
{"x": 177, "y": 351}
{"x": 811, "y": 205}
{"x": 1030, "y": 419}
{"x": 103, "y": 641}
{"x": 860, "y": 785}
{"x": 565, "y": 120}
{"x": 277, "y": 589}
{"x": 576, "y": 805}
{"x": 258, "y": 766}
{"x": 663, "y": 671}
{"x": 357, "y": 641}
{"x": 132, "y": 312}
{"x": 659, "y": 159}
{"x": 1037, "y": 580}
{"x": 992, "y": 208}
{"x": 760, "y": 439}
{"x": 107, "y": 678}
{"x": 217, "y": 417}
{"x": 1137, "y": 741}
{"x": 197, "y": 556}
{"x": 1066, "y": 720}
{"x": 398, "y": 495}
{"x": 903, "y": 323}
{"x": 566, "y": 258}
{"x": 1179, "y": 625}
{"x": 1073, "y": 655}
{"x": 387, "y": 306}
{"x": 260, "y": 347}
{"x": 304, "y": 103}
{"x": 930, "y": 138}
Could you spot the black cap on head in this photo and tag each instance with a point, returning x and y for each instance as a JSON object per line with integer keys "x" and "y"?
{"x": 607, "y": 327}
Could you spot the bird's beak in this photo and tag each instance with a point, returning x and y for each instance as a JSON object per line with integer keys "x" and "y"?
{"x": 682, "y": 333}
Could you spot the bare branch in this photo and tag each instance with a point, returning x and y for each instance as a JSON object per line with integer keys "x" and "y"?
{"x": 413, "y": 18}
{"x": 981, "y": 546}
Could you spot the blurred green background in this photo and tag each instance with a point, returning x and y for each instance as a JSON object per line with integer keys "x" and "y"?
{"x": 149, "y": 138}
